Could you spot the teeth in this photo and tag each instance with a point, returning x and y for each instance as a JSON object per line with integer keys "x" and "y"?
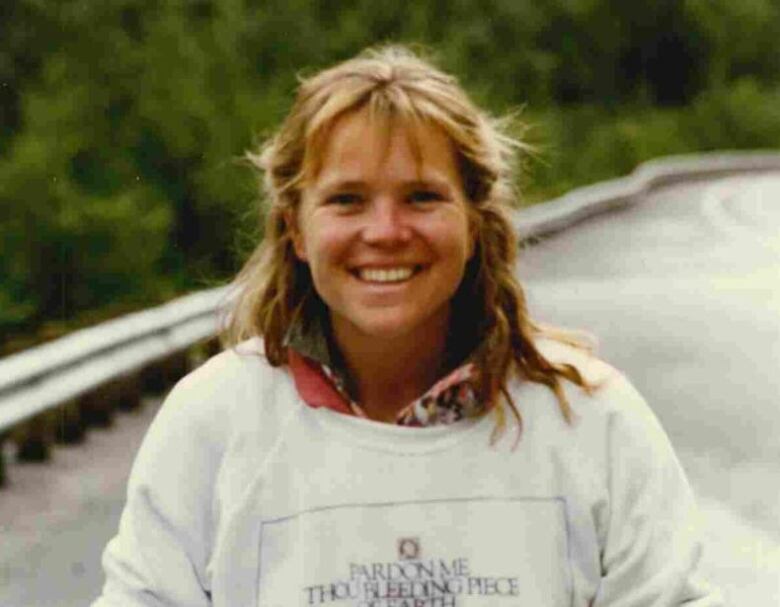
{"x": 386, "y": 275}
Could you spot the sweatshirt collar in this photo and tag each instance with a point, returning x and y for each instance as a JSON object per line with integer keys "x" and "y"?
{"x": 322, "y": 381}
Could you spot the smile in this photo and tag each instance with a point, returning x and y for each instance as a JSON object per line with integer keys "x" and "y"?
{"x": 386, "y": 275}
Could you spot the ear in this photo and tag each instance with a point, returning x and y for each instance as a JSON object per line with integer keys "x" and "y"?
{"x": 296, "y": 236}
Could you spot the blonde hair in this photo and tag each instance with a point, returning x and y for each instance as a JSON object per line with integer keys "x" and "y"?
{"x": 489, "y": 313}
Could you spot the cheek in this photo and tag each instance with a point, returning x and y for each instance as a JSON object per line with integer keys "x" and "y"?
{"x": 456, "y": 241}
{"x": 324, "y": 245}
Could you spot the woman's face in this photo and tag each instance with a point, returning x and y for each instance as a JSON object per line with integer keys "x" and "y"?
{"x": 384, "y": 229}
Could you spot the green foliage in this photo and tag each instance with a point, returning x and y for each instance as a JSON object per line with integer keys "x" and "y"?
{"x": 121, "y": 122}
{"x": 586, "y": 144}
{"x": 738, "y": 38}
{"x": 63, "y": 251}
{"x": 741, "y": 116}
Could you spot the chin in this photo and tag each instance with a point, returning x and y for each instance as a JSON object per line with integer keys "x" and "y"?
{"x": 387, "y": 328}
{"x": 389, "y": 325}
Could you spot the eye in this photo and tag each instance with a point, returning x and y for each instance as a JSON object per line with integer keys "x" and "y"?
{"x": 344, "y": 199}
{"x": 425, "y": 196}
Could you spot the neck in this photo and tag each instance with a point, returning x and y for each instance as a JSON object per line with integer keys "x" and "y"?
{"x": 388, "y": 374}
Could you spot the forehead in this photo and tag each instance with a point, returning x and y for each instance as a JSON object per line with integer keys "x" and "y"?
{"x": 360, "y": 143}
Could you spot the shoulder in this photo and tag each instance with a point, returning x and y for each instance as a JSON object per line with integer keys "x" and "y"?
{"x": 592, "y": 368}
{"x": 230, "y": 372}
{"x": 228, "y": 364}
{"x": 609, "y": 383}
{"x": 614, "y": 402}
{"x": 234, "y": 402}
{"x": 618, "y": 459}
{"x": 223, "y": 391}
{"x": 614, "y": 429}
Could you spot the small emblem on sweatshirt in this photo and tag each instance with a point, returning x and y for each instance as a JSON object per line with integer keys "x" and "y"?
{"x": 408, "y": 548}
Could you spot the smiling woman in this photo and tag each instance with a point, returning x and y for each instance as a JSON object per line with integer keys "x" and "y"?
{"x": 340, "y": 450}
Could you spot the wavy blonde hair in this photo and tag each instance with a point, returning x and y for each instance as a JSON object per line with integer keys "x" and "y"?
{"x": 490, "y": 318}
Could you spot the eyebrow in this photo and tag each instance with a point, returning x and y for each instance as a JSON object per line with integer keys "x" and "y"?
{"x": 358, "y": 184}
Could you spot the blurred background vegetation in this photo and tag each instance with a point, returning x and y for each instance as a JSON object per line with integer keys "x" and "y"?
{"x": 121, "y": 122}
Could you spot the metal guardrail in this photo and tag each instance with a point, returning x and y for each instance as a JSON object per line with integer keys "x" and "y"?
{"x": 49, "y": 376}
{"x": 577, "y": 205}
{"x": 45, "y": 376}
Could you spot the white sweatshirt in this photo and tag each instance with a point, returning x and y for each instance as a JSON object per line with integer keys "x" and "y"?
{"x": 243, "y": 496}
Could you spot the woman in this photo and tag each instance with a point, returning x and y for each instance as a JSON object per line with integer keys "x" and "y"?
{"x": 343, "y": 449}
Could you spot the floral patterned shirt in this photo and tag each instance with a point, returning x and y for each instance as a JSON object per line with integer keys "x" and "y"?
{"x": 321, "y": 382}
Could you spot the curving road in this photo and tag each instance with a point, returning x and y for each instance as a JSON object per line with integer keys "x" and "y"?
{"x": 683, "y": 291}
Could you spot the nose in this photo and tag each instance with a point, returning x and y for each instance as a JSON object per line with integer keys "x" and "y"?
{"x": 387, "y": 223}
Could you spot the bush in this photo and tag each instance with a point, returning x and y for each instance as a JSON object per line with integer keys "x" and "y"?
{"x": 739, "y": 116}
{"x": 588, "y": 144}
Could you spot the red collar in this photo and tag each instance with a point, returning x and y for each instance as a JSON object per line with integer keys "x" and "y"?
{"x": 314, "y": 387}
{"x": 451, "y": 398}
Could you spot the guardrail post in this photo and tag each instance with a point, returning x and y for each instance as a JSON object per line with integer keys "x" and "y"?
{"x": 176, "y": 366}
{"x": 130, "y": 392}
{"x": 213, "y": 347}
{"x": 70, "y": 425}
{"x": 98, "y": 405}
{"x": 34, "y": 438}
{"x": 152, "y": 379}
{"x": 158, "y": 377}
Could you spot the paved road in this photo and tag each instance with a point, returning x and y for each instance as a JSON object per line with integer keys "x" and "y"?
{"x": 683, "y": 291}
{"x": 55, "y": 519}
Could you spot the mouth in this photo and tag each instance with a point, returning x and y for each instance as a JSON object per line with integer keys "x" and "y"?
{"x": 389, "y": 275}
